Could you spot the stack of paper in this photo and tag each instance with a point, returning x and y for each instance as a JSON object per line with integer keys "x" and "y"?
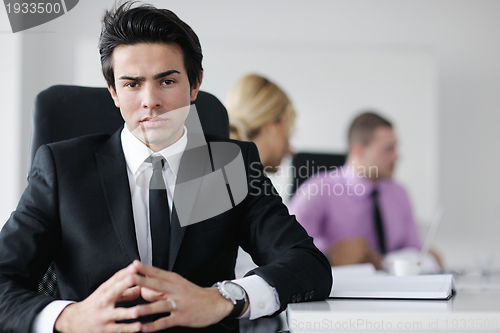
{"x": 393, "y": 287}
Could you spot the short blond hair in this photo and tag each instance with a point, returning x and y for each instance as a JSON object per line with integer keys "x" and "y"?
{"x": 253, "y": 102}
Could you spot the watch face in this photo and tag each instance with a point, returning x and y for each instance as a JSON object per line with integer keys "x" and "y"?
{"x": 234, "y": 290}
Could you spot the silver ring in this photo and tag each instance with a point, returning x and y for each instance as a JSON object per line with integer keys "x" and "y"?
{"x": 174, "y": 306}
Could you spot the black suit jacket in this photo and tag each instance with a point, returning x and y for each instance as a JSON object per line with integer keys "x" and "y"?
{"x": 77, "y": 212}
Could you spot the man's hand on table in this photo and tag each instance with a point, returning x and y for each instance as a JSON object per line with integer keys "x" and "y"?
{"x": 97, "y": 313}
{"x": 194, "y": 306}
{"x": 354, "y": 251}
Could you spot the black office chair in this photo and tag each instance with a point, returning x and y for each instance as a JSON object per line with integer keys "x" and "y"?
{"x": 307, "y": 164}
{"x": 63, "y": 112}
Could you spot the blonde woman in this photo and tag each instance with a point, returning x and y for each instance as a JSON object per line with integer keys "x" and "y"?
{"x": 261, "y": 112}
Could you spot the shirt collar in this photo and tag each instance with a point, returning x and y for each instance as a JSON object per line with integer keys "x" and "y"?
{"x": 353, "y": 175}
{"x": 136, "y": 152}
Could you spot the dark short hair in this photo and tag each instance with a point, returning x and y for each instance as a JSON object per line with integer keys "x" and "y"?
{"x": 128, "y": 25}
{"x": 363, "y": 127}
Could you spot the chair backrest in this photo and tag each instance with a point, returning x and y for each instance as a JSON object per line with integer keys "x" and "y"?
{"x": 63, "y": 112}
{"x": 307, "y": 164}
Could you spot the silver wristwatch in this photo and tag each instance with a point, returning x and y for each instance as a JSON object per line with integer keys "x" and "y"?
{"x": 236, "y": 294}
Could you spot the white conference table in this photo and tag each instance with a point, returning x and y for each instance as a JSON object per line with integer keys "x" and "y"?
{"x": 474, "y": 308}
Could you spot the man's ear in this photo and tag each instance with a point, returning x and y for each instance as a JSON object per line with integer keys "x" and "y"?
{"x": 195, "y": 89}
{"x": 112, "y": 91}
{"x": 356, "y": 149}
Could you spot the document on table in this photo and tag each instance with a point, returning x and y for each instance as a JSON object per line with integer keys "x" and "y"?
{"x": 393, "y": 287}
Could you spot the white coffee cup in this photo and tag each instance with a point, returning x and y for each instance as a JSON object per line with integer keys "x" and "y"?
{"x": 406, "y": 267}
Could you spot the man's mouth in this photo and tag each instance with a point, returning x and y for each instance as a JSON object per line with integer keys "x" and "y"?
{"x": 152, "y": 122}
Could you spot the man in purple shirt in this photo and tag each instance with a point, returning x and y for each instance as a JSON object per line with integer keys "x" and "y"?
{"x": 338, "y": 207}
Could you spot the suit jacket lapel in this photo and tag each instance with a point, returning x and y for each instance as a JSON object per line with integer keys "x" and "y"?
{"x": 112, "y": 170}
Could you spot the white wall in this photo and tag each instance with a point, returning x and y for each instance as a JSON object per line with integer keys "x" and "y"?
{"x": 339, "y": 83}
{"x": 10, "y": 110}
{"x": 462, "y": 36}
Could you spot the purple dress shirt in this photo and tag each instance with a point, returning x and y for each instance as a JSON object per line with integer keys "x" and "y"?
{"x": 337, "y": 205}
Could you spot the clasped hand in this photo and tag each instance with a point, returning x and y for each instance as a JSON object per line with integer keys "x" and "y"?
{"x": 188, "y": 304}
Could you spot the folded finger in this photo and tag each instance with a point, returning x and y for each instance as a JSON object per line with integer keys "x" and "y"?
{"x": 115, "y": 292}
{"x": 155, "y": 272}
{"x": 118, "y": 276}
{"x": 124, "y": 328}
{"x": 130, "y": 294}
{"x": 151, "y": 295}
{"x": 120, "y": 314}
{"x": 162, "y": 323}
{"x": 156, "y": 307}
{"x": 157, "y": 285}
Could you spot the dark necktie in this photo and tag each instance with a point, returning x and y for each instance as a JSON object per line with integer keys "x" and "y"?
{"x": 159, "y": 214}
{"x": 379, "y": 225}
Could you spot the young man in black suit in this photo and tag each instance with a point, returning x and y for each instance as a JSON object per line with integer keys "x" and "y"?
{"x": 85, "y": 210}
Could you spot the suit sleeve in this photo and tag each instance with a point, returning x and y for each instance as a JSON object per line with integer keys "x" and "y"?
{"x": 28, "y": 244}
{"x": 287, "y": 257}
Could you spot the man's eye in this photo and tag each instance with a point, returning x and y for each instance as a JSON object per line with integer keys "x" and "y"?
{"x": 167, "y": 82}
{"x": 131, "y": 84}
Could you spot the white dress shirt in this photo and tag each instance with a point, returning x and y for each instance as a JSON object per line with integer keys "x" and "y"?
{"x": 263, "y": 298}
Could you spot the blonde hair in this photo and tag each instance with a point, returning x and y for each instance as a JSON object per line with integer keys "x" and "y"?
{"x": 253, "y": 102}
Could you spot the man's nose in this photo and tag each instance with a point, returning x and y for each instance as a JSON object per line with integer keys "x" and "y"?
{"x": 151, "y": 98}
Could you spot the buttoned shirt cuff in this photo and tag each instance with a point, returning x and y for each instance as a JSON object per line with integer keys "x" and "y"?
{"x": 44, "y": 321}
{"x": 263, "y": 298}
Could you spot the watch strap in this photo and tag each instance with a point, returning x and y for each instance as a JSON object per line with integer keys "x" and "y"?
{"x": 237, "y": 309}
{"x": 239, "y": 305}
